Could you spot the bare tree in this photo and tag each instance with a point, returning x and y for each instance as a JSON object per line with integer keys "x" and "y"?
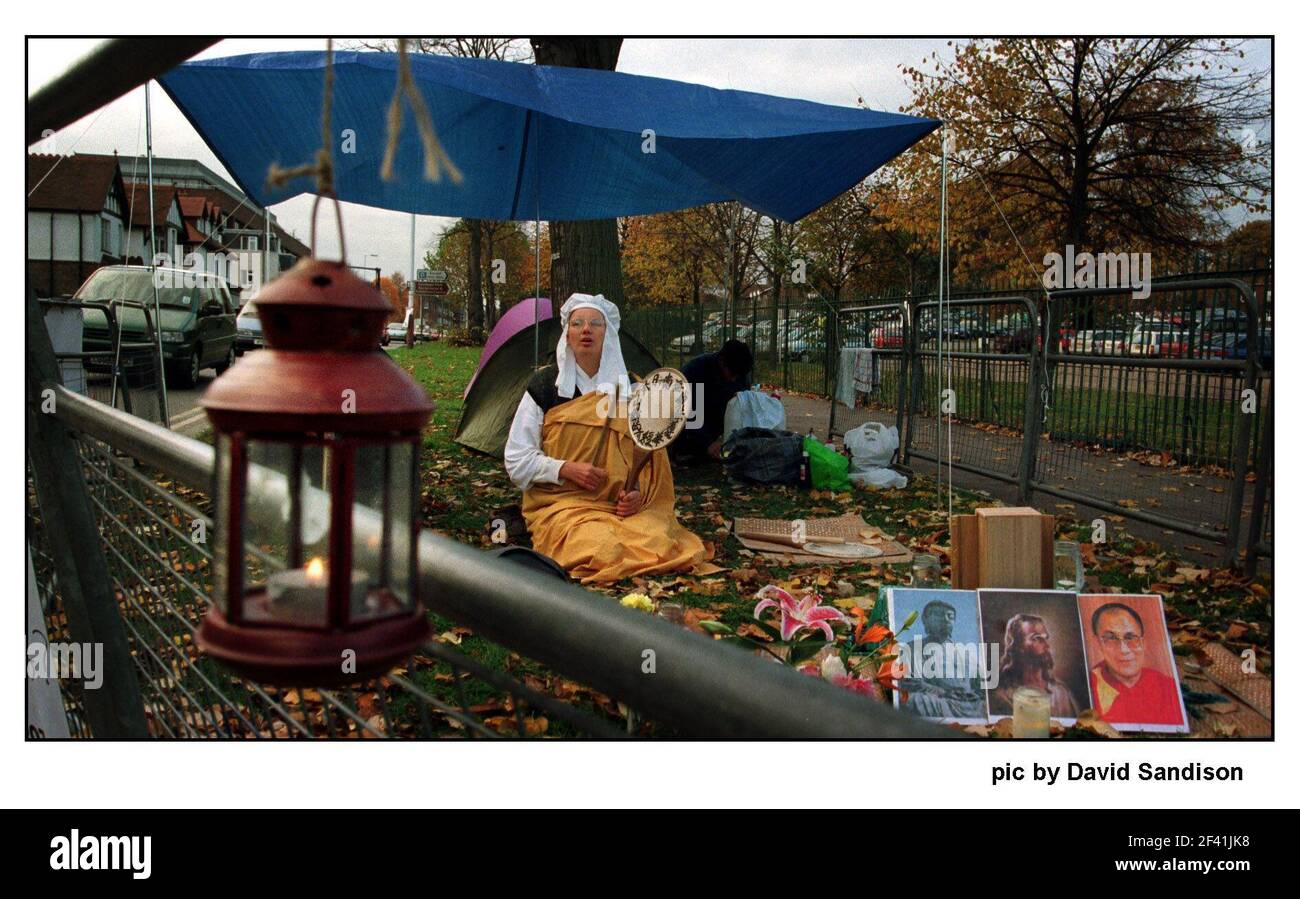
{"x": 726, "y": 235}
{"x": 838, "y": 241}
{"x": 775, "y": 249}
{"x": 503, "y": 48}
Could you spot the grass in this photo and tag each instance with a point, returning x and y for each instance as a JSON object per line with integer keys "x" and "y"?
{"x": 460, "y": 489}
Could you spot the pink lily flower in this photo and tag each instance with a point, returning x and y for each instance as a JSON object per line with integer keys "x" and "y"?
{"x": 797, "y": 614}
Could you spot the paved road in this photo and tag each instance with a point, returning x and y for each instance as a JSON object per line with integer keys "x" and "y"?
{"x": 186, "y": 415}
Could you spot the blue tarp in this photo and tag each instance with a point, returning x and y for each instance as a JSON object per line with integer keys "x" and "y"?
{"x": 535, "y": 141}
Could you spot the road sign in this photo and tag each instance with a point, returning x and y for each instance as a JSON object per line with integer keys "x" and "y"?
{"x": 438, "y": 276}
{"x": 431, "y": 288}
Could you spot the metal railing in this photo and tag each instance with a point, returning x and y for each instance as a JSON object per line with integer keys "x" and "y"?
{"x": 1260, "y": 539}
{"x": 1151, "y": 408}
{"x": 791, "y": 339}
{"x": 148, "y": 486}
{"x": 983, "y": 351}
{"x": 124, "y": 372}
{"x": 1161, "y": 396}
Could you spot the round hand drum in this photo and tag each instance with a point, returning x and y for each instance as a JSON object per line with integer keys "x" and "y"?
{"x": 656, "y": 414}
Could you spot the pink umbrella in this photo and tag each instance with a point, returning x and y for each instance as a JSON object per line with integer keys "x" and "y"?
{"x": 517, "y": 317}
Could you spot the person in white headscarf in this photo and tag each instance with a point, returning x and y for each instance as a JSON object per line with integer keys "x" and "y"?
{"x": 569, "y": 451}
{"x": 588, "y": 357}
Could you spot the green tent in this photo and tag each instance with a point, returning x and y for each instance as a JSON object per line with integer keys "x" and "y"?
{"x": 496, "y": 390}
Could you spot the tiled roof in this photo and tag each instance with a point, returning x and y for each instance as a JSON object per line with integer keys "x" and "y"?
{"x": 243, "y": 216}
{"x": 137, "y": 198}
{"x": 76, "y": 183}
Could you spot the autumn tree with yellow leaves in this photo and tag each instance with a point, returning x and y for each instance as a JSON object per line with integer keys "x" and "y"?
{"x": 1140, "y": 145}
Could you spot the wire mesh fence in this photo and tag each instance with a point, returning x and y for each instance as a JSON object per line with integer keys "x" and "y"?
{"x": 1150, "y": 404}
{"x": 162, "y": 577}
{"x": 519, "y": 654}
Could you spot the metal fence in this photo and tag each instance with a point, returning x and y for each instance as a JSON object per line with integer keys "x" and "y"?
{"x": 791, "y": 338}
{"x": 1167, "y": 395}
{"x": 550, "y": 658}
{"x": 1260, "y": 539}
{"x": 107, "y": 364}
{"x": 1152, "y": 407}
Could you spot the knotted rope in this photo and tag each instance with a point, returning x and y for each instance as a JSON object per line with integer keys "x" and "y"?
{"x": 435, "y": 157}
{"x": 323, "y": 167}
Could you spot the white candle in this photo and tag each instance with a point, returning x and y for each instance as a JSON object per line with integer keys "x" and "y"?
{"x": 303, "y": 593}
{"x": 1031, "y": 714}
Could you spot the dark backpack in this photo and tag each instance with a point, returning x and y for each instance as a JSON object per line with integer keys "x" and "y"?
{"x": 763, "y": 456}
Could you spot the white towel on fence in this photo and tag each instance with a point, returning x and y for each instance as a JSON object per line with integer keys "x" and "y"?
{"x": 858, "y": 374}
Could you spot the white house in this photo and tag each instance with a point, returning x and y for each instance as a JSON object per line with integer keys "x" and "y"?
{"x": 75, "y": 219}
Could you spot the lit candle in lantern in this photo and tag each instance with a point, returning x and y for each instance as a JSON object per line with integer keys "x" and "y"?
{"x": 1031, "y": 714}
{"x": 303, "y": 592}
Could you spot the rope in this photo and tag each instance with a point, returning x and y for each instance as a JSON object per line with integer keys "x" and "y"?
{"x": 943, "y": 282}
{"x": 435, "y": 157}
{"x": 1047, "y": 388}
{"x": 323, "y": 167}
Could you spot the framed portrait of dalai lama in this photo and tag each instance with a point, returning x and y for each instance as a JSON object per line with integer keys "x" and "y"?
{"x": 1132, "y": 677}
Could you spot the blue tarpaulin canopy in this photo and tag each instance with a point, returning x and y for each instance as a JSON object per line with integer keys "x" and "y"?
{"x": 532, "y": 141}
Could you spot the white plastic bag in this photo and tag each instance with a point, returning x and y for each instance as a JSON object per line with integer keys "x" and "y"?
{"x": 872, "y": 445}
{"x": 753, "y": 409}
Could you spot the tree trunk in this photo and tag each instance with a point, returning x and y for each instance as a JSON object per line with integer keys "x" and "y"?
{"x": 585, "y": 259}
{"x": 698, "y": 345}
{"x": 474, "y": 296}
{"x": 778, "y": 279}
{"x": 584, "y": 255}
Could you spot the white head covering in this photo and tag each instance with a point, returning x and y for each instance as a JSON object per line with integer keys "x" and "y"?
{"x": 612, "y": 368}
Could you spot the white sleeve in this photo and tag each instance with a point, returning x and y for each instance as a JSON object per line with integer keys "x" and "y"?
{"x": 525, "y": 462}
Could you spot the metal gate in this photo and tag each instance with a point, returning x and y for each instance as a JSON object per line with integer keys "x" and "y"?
{"x": 1150, "y": 407}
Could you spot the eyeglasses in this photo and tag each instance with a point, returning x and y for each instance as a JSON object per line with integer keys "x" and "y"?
{"x": 1130, "y": 641}
{"x": 593, "y": 323}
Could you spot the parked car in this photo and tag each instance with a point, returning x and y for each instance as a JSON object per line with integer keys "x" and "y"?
{"x": 395, "y": 331}
{"x": 888, "y": 337}
{"x": 1233, "y": 345}
{"x": 248, "y": 330}
{"x": 957, "y": 326}
{"x": 805, "y": 340}
{"x": 1110, "y": 343}
{"x": 712, "y": 334}
{"x": 197, "y": 322}
{"x": 1020, "y": 340}
{"x": 1166, "y": 343}
{"x": 1082, "y": 342}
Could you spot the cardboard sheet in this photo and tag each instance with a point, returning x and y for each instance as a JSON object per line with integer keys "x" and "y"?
{"x": 850, "y": 528}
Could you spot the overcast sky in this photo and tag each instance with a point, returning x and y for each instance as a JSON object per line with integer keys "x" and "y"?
{"x": 829, "y": 71}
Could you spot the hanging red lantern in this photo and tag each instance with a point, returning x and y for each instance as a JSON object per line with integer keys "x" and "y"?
{"x": 316, "y": 537}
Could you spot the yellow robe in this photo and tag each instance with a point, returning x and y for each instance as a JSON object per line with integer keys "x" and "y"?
{"x": 580, "y": 529}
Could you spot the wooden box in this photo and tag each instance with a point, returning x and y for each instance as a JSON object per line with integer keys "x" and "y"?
{"x": 1002, "y": 547}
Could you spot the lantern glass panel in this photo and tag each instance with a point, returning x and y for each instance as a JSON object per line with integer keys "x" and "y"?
{"x": 221, "y": 539}
{"x": 403, "y": 489}
{"x": 286, "y": 533}
{"x": 382, "y": 543}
